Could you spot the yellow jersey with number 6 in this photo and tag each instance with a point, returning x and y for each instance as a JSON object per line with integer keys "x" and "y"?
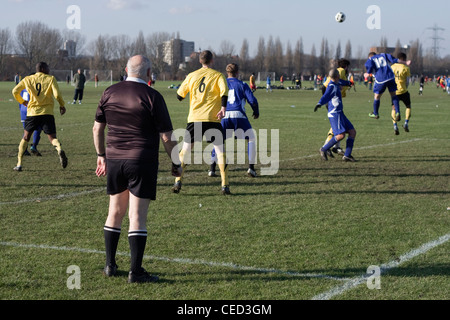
{"x": 42, "y": 88}
{"x": 401, "y": 73}
{"x": 205, "y": 86}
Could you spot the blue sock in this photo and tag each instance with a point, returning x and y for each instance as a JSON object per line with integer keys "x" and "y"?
{"x": 376, "y": 106}
{"x": 406, "y": 121}
{"x": 36, "y": 138}
{"x": 349, "y": 147}
{"x": 396, "y": 104}
{"x": 329, "y": 144}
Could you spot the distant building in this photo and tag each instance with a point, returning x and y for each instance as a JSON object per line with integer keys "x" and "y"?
{"x": 71, "y": 47}
{"x": 176, "y": 51}
{"x": 391, "y": 50}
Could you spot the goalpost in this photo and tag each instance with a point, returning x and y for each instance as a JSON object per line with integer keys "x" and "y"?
{"x": 105, "y": 77}
{"x": 262, "y": 77}
{"x": 62, "y": 75}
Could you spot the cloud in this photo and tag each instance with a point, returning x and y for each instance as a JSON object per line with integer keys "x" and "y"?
{"x": 117, "y": 5}
{"x": 181, "y": 10}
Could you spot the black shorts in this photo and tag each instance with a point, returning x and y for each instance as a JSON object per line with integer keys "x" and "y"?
{"x": 213, "y": 132}
{"x": 139, "y": 177}
{"x": 405, "y": 98}
{"x": 46, "y": 122}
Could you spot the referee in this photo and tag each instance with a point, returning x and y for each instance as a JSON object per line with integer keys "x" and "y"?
{"x": 137, "y": 118}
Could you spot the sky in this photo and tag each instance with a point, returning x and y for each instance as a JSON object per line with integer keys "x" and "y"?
{"x": 209, "y": 23}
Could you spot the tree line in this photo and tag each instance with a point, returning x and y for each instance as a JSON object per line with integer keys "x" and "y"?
{"x": 35, "y": 41}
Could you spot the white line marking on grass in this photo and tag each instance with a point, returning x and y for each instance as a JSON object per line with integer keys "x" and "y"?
{"x": 359, "y": 148}
{"x": 56, "y": 197}
{"x": 180, "y": 261}
{"x": 353, "y": 283}
{"x": 81, "y": 193}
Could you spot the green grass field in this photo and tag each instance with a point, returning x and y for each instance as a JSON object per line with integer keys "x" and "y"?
{"x": 308, "y": 232}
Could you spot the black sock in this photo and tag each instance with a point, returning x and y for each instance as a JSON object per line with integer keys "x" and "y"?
{"x": 112, "y": 236}
{"x": 213, "y": 167}
{"x": 137, "y": 240}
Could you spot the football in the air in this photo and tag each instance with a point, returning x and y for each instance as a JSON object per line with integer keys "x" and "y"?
{"x": 340, "y": 17}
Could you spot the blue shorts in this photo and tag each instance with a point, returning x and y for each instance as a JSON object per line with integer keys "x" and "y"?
{"x": 379, "y": 88}
{"x": 23, "y": 112}
{"x": 340, "y": 123}
{"x": 237, "y": 125}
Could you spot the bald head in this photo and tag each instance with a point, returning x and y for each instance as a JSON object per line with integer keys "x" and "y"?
{"x": 138, "y": 67}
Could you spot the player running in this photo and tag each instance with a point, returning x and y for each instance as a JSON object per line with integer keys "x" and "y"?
{"x": 42, "y": 87}
{"x": 339, "y": 122}
{"x": 378, "y": 64}
{"x": 208, "y": 95}
{"x": 236, "y": 120}
{"x": 402, "y": 72}
{"x": 343, "y": 65}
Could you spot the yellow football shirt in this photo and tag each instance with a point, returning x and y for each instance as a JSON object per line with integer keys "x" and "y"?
{"x": 401, "y": 73}
{"x": 42, "y": 88}
{"x": 205, "y": 86}
{"x": 342, "y": 76}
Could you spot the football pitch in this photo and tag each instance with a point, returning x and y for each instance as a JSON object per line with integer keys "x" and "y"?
{"x": 375, "y": 229}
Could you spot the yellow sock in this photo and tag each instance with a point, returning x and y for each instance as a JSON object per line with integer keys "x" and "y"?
{"x": 22, "y": 147}
{"x": 222, "y": 161}
{"x": 408, "y": 113}
{"x": 57, "y": 145}
{"x": 330, "y": 135}
{"x": 393, "y": 116}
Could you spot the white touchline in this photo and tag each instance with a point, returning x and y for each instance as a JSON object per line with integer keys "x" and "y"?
{"x": 179, "y": 260}
{"x": 81, "y": 193}
{"x": 353, "y": 283}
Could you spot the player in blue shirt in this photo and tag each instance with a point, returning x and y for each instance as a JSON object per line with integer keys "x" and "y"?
{"x": 339, "y": 122}
{"x": 37, "y": 133}
{"x": 236, "y": 120}
{"x": 378, "y": 65}
{"x": 268, "y": 84}
{"x": 447, "y": 84}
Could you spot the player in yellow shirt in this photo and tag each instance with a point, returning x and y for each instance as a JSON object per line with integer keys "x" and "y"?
{"x": 343, "y": 65}
{"x": 208, "y": 96}
{"x": 402, "y": 72}
{"x": 42, "y": 87}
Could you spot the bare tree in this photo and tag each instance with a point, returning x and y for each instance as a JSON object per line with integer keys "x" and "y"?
{"x": 348, "y": 50}
{"x": 102, "y": 52}
{"x": 338, "y": 53}
{"x": 37, "y": 42}
{"x": 324, "y": 58}
{"x": 139, "y": 45}
{"x": 226, "y": 48}
{"x": 383, "y": 44}
{"x": 260, "y": 54}
{"x": 155, "y": 51}
{"x": 289, "y": 58}
{"x": 244, "y": 58}
{"x": 398, "y": 48}
{"x": 299, "y": 56}
{"x": 269, "y": 60}
{"x": 5, "y": 46}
